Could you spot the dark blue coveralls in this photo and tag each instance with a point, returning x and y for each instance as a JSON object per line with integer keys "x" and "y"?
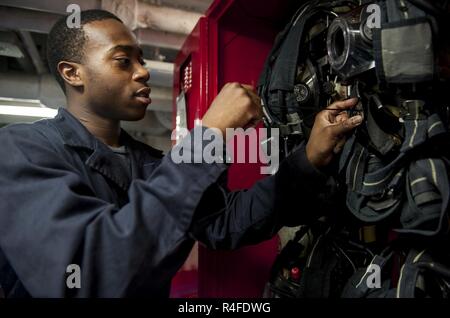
{"x": 66, "y": 199}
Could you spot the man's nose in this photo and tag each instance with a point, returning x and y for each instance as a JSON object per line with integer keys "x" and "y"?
{"x": 141, "y": 74}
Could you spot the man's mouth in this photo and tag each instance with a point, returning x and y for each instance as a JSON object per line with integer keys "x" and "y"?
{"x": 143, "y": 95}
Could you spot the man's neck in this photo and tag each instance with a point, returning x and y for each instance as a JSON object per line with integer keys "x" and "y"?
{"x": 106, "y": 130}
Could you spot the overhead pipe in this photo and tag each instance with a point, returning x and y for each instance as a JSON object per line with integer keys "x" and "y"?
{"x": 151, "y": 22}
{"x": 138, "y": 14}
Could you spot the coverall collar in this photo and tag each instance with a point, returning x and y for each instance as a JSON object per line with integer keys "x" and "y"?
{"x": 102, "y": 159}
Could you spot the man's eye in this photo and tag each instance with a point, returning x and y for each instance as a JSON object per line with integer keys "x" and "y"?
{"x": 123, "y": 61}
{"x": 142, "y": 62}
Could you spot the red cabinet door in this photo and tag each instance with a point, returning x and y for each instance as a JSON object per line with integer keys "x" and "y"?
{"x": 230, "y": 44}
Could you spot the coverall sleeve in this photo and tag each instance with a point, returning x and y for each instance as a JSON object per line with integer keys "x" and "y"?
{"x": 50, "y": 218}
{"x": 290, "y": 197}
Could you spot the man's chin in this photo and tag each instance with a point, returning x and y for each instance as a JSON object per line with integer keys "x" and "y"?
{"x": 134, "y": 117}
{"x": 134, "y": 114}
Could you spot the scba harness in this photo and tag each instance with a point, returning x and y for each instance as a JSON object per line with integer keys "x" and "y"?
{"x": 335, "y": 265}
{"x": 394, "y": 170}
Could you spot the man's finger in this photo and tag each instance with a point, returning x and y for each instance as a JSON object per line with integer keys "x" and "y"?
{"x": 250, "y": 90}
{"x": 346, "y": 126}
{"x": 252, "y": 94}
{"x": 259, "y": 114}
{"x": 339, "y": 146}
{"x": 343, "y": 116}
{"x": 339, "y": 106}
{"x": 248, "y": 87}
{"x": 252, "y": 123}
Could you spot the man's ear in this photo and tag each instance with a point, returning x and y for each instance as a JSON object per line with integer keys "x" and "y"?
{"x": 71, "y": 73}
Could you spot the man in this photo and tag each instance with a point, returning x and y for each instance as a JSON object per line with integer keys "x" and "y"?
{"x": 78, "y": 190}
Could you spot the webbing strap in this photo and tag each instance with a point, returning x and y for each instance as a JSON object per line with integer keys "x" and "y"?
{"x": 376, "y": 190}
{"x": 417, "y": 132}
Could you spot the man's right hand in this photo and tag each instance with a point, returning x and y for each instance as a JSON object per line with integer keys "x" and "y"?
{"x": 236, "y": 106}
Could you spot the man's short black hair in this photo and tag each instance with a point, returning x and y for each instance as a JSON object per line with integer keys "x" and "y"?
{"x": 67, "y": 44}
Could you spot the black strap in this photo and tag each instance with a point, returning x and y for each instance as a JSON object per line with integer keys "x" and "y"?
{"x": 382, "y": 141}
{"x": 409, "y": 273}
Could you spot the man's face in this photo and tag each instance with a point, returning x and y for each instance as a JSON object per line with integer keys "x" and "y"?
{"x": 114, "y": 77}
